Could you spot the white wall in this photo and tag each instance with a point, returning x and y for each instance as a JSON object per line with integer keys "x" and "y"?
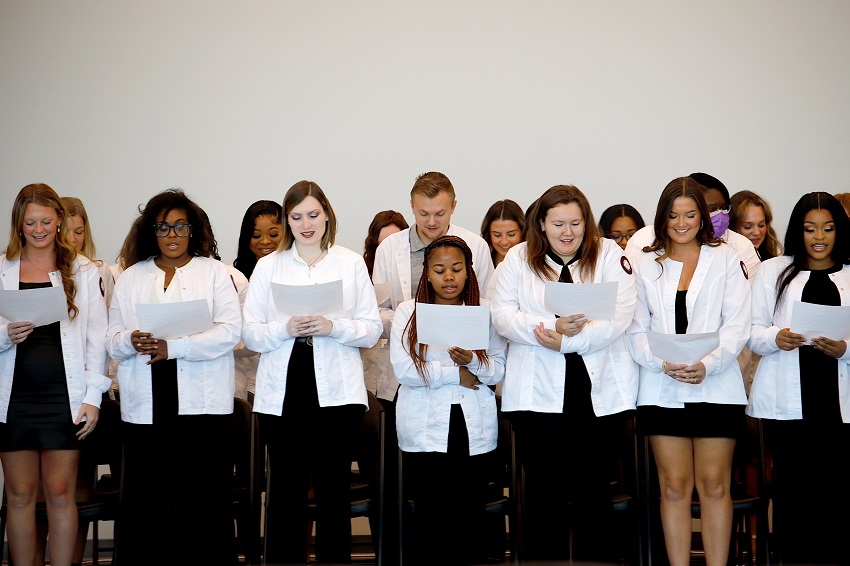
{"x": 235, "y": 101}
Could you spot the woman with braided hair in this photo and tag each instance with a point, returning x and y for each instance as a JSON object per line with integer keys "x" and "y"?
{"x": 446, "y": 416}
{"x": 570, "y": 382}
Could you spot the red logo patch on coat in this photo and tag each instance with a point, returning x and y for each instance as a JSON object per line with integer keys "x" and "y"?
{"x": 744, "y": 269}
{"x": 102, "y": 288}
{"x": 624, "y": 263}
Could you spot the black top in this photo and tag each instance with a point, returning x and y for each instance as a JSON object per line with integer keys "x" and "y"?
{"x": 681, "y": 312}
{"x": 39, "y": 415}
{"x": 819, "y": 372}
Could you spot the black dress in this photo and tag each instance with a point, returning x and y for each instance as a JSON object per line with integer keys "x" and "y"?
{"x": 708, "y": 420}
{"x": 39, "y": 415}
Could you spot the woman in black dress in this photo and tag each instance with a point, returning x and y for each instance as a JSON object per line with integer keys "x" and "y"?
{"x": 51, "y": 376}
{"x": 689, "y": 282}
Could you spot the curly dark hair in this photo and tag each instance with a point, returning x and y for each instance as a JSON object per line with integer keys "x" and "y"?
{"x": 141, "y": 241}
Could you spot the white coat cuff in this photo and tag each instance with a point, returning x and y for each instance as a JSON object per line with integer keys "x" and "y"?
{"x": 177, "y": 348}
{"x": 846, "y": 355}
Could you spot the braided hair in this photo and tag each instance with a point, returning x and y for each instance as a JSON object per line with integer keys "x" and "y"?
{"x": 425, "y": 293}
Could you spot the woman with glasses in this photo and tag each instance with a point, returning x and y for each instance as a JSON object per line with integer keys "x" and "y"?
{"x": 176, "y": 392}
{"x": 620, "y": 222}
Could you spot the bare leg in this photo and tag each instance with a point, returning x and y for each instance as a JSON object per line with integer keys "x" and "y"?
{"x": 21, "y": 471}
{"x": 59, "y": 477}
{"x": 674, "y": 459}
{"x": 713, "y": 466}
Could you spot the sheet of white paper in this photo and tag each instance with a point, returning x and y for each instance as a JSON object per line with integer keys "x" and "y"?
{"x": 174, "y": 320}
{"x": 444, "y": 326}
{"x": 596, "y": 301}
{"x": 382, "y": 293}
{"x": 682, "y": 348}
{"x": 814, "y": 321}
{"x": 38, "y": 306}
{"x": 300, "y": 300}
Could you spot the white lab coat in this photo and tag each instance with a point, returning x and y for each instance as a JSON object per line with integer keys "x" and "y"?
{"x": 205, "y": 374}
{"x": 83, "y": 350}
{"x": 423, "y": 409}
{"x": 392, "y": 265}
{"x": 245, "y": 360}
{"x": 535, "y": 375}
{"x": 718, "y": 299}
{"x": 336, "y": 358}
{"x": 775, "y": 393}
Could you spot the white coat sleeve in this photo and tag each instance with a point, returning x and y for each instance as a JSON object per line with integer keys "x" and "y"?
{"x": 259, "y": 332}
{"x": 636, "y": 339}
{"x": 364, "y": 329}
{"x": 598, "y": 334}
{"x": 482, "y": 263}
{"x": 763, "y": 331}
{"x": 509, "y": 320}
{"x": 96, "y": 324}
{"x": 121, "y": 325}
{"x": 226, "y": 316}
{"x": 436, "y": 375}
{"x": 494, "y": 371}
{"x": 381, "y": 274}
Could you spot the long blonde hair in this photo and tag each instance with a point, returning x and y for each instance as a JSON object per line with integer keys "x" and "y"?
{"x": 43, "y": 195}
{"x": 75, "y": 207}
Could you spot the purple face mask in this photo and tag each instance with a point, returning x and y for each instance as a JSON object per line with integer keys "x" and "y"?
{"x": 720, "y": 222}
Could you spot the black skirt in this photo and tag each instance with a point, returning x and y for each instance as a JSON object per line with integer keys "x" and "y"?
{"x": 701, "y": 420}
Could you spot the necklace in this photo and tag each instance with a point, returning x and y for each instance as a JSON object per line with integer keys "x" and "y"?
{"x": 163, "y": 264}
{"x": 26, "y": 257}
{"x": 312, "y": 262}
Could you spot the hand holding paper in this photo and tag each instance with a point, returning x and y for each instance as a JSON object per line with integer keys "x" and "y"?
{"x": 597, "y": 301}
{"x": 814, "y": 321}
{"x": 301, "y": 300}
{"x": 174, "y": 320}
{"x": 682, "y": 348}
{"x": 38, "y": 306}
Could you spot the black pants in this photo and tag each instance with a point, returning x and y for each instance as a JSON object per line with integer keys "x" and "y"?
{"x": 308, "y": 442}
{"x": 449, "y": 492}
{"x": 178, "y": 475}
{"x": 811, "y": 497}
{"x": 568, "y": 460}
{"x": 390, "y": 516}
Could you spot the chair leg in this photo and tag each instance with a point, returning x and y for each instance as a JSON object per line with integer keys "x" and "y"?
{"x": 95, "y": 544}
{"x": 401, "y": 505}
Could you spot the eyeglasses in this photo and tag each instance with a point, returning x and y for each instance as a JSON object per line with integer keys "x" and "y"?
{"x": 163, "y": 229}
{"x": 715, "y": 209}
{"x": 617, "y": 236}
